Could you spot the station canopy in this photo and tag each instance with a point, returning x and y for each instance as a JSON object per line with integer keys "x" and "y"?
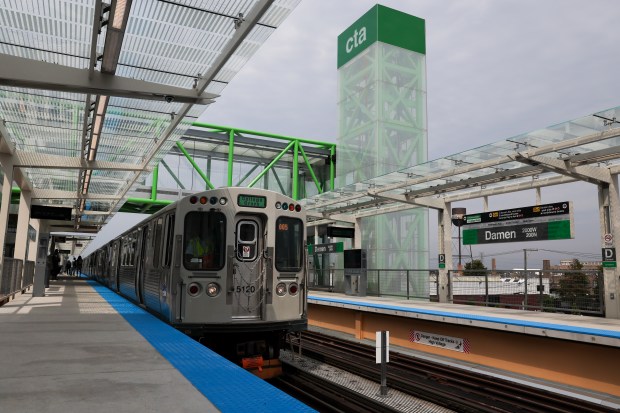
{"x": 92, "y": 95}
{"x": 584, "y": 149}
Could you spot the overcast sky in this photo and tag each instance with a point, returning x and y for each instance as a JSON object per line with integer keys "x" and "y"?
{"x": 495, "y": 69}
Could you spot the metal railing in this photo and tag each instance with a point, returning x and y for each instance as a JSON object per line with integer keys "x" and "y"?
{"x": 407, "y": 284}
{"x": 13, "y": 279}
{"x": 567, "y": 291}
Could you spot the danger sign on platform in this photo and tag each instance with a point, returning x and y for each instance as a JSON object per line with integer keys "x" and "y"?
{"x": 436, "y": 340}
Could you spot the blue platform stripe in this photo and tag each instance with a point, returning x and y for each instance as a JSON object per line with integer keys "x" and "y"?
{"x": 489, "y": 319}
{"x": 226, "y": 385}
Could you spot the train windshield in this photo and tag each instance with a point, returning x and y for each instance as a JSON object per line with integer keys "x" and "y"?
{"x": 204, "y": 242}
{"x": 289, "y": 244}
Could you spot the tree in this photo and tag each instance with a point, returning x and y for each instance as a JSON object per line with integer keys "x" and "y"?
{"x": 475, "y": 267}
{"x": 575, "y": 289}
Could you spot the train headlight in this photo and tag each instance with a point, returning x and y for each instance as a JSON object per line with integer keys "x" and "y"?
{"x": 293, "y": 288}
{"x": 281, "y": 289}
{"x": 193, "y": 289}
{"x": 203, "y": 200}
{"x": 278, "y": 205}
{"x": 193, "y": 199}
{"x": 213, "y": 289}
{"x": 223, "y": 201}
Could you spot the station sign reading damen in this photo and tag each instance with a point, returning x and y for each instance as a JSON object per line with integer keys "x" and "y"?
{"x": 531, "y": 223}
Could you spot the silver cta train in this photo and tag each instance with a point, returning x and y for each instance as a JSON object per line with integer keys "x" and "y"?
{"x": 226, "y": 266}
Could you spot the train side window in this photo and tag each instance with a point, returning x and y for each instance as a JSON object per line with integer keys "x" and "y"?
{"x": 156, "y": 243}
{"x": 289, "y": 244}
{"x": 169, "y": 238}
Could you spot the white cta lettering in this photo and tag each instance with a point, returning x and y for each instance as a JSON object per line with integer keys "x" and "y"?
{"x": 492, "y": 236}
{"x": 357, "y": 39}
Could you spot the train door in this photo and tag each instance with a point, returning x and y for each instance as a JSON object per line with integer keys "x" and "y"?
{"x": 114, "y": 258}
{"x": 249, "y": 268}
{"x": 141, "y": 260}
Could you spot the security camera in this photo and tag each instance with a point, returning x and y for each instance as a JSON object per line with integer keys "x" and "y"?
{"x": 169, "y": 99}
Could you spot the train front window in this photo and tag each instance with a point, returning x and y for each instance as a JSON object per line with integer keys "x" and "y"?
{"x": 289, "y": 244}
{"x": 204, "y": 240}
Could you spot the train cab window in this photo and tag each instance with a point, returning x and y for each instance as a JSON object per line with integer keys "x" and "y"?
{"x": 204, "y": 240}
{"x": 247, "y": 240}
{"x": 289, "y": 244}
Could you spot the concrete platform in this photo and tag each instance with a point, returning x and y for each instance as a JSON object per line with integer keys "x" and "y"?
{"x": 71, "y": 351}
{"x": 569, "y": 350}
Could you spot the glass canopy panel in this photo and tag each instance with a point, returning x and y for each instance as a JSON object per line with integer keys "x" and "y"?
{"x": 169, "y": 43}
{"x": 445, "y": 174}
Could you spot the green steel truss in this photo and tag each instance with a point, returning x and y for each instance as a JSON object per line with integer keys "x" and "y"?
{"x": 291, "y": 162}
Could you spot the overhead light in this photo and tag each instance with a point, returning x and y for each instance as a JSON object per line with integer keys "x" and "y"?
{"x": 102, "y": 103}
{"x": 97, "y": 125}
{"x": 111, "y": 51}
{"x": 114, "y": 35}
{"x": 119, "y": 13}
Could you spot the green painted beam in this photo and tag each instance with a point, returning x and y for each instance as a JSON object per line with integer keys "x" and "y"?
{"x": 264, "y": 134}
{"x": 172, "y": 174}
{"x": 314, "y": 178}
{"x": 191, "y": 160}
{"x": 154, "y": 185}
{"x": 271, "y": 164}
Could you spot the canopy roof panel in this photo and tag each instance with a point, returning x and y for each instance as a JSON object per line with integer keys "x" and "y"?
{"x": 88, "y": 83}
{"x": 587, "y": 149}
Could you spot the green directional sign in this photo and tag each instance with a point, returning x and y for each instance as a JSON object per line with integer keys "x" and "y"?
{"x": 531, "y": 223}
{"x": 326, "y": 248}
{"x": 543, "y": 231}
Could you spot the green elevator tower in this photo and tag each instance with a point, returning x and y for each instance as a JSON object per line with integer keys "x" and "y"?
{"x": 382, "y": 129}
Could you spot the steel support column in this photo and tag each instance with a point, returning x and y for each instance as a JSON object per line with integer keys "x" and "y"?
{"x": 444, "y": 292}
{"x": 609, "y": 210}
{"x": 7, "y": 169}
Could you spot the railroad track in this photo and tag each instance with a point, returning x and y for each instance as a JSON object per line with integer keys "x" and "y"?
{"x": 451, "y": 387}
{"x": 324, "y": 396}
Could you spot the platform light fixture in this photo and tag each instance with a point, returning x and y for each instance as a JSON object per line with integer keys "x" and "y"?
{"x": 101, "y": 106}
{"x": 119, "y": 13}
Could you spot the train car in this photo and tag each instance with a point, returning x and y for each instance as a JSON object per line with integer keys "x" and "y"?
{"x": 226, "y": 266}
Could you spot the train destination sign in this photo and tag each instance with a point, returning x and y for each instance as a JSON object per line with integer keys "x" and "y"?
{"x": 252, "y": 201}
{"x": 532, "y": 223}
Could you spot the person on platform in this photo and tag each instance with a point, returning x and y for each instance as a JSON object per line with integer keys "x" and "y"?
{"x": 68, "y": 267}
{"x": 55, "y": 265}
{"x": 78, "y": 266}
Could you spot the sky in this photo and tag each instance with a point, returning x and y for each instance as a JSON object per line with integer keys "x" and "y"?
{"x": 495, "y": 69}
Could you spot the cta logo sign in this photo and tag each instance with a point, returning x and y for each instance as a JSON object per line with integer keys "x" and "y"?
{"x": 356, "y": 40}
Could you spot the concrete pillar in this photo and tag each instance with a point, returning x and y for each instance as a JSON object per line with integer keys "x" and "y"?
{"x": 21, "y": 233}
{"x": 7, "y": 168}
{"x": 357, "y": 241}
{"x": 32, "y": 247}
{"x": 23, "y": 220}
{"x": 445, "y": 247}
{"x": 609, "y": 212}
{"x": 538, "y": 197}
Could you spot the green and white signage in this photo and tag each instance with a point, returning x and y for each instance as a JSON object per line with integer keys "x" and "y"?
{"x": 532, "y": 223}
{"x": 385, "y": 25}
